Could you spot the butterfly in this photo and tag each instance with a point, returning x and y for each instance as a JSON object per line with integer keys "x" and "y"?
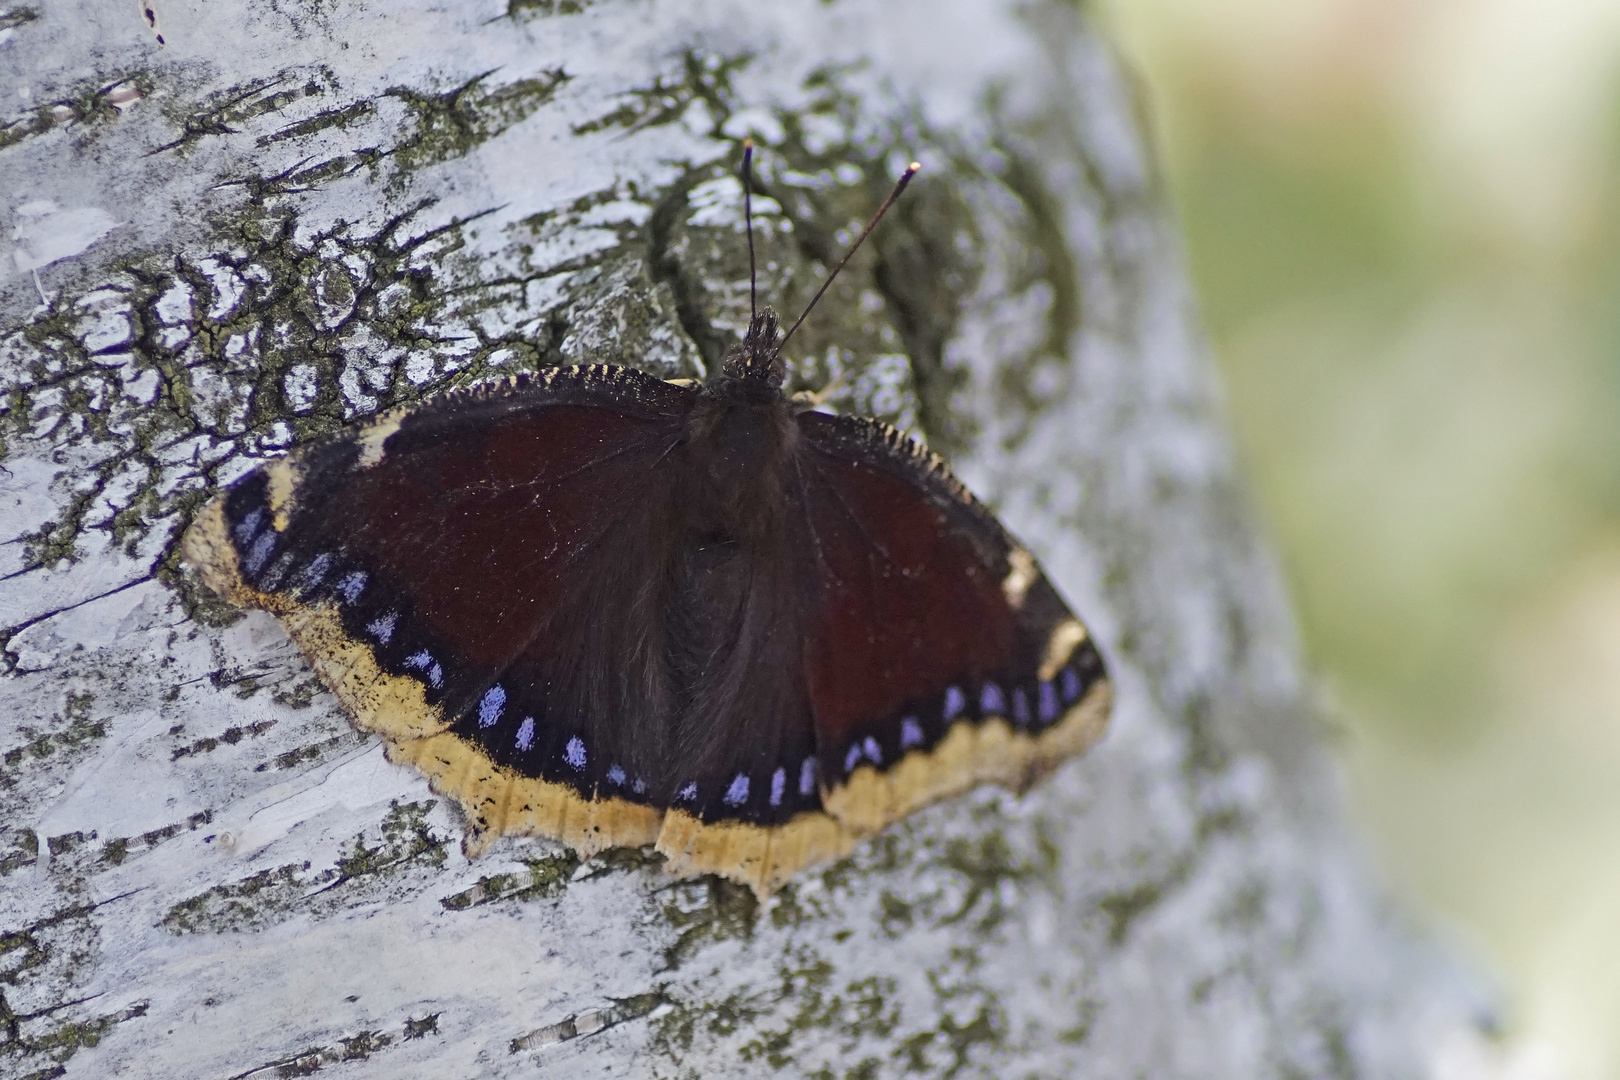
{"x": 613, "y": 610}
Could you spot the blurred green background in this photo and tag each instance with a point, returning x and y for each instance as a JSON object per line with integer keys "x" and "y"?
{"x": 1403, "y": 219}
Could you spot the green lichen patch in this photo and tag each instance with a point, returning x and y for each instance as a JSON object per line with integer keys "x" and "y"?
{"x": 227, "y": 111}
{"x": 987, "y": 865}
{"x": 1123, "y": 907}
{"x": 451, "y": 123}
{"x": 540, "y": 9}
{"x": 403, "y": 841}
{"x": 589, "y": 1022}
{"x": 66, "y": 735}
{"x": 803, "y": 1011}
{"x": 66, "y": 843}
{"x": 33, "y": 1039}
{"x": 300, "y": 695}
{"x": 85, "y": 106}
{"x": 122, "y": 848}
{"x": 18, "y": 848}
{"x": 41, "y": 964}
{"x": 250, "y": 903}
{"x": 312, "y": 752}
{"x": 700, "y": 77}
{"x": 946, "y": 1049}
{"x": 361, "y": 1045}
{"x": 406, "y": 839}
{"x": 541, "y": 879}
{"x": 1085, "y": 1022}
{"x": 703, "y": 911}
{"x": 788, "y": 908}
{"x": 229, "y": 737}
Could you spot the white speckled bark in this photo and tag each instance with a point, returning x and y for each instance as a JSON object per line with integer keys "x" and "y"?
{"x": 289, "y": 215}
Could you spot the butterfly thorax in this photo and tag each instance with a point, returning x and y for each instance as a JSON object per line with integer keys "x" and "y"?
{"x": 739, "y": 438}
{"x": 753, "y": 368}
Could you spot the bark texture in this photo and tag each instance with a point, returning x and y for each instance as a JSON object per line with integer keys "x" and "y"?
{"x": 233, "y": 227}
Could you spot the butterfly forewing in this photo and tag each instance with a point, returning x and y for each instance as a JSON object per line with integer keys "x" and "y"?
{"x": 468, "y": 537}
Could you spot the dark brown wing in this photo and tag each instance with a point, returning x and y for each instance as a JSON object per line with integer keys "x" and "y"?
{"x": 446, "y": 570}
{"x": 941, "y": 657}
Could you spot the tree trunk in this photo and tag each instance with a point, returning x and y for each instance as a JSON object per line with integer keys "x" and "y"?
{"x": 234, "y": 227}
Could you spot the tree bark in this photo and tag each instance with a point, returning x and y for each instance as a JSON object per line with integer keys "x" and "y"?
{"x": 234, "y": 227}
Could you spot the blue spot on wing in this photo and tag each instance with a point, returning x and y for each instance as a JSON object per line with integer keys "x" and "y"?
{"x": 382, "y": 627}
{"x": 992, "y": 702}
{"x": 246, "y": 529}
{"x": 1021, "y": 707}
{"x": 1071, "y": 686}
{"x": 258, "y": 554}
{"x": 351, "y": 585}
{"x": 490, "y": 706}
{"x": 1049, "y": 702}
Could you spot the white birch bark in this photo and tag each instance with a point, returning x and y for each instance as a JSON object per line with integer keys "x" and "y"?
{"x": 230, "y": 227}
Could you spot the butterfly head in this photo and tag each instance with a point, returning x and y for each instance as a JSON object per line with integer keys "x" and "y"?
{"x": 757, "y": 360}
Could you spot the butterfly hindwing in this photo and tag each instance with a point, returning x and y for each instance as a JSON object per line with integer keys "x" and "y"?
{"x": 941, "y": 657}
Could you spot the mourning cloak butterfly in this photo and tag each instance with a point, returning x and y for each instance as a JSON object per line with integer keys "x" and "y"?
{"x": 613, "y": 610}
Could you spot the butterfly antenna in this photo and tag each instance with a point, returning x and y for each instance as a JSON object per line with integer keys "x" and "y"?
{"x": 905, "y": 178}
{"x": 748, "y": 219}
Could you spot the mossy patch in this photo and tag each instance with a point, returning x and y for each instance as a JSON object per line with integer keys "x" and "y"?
{"x": 452, "y": 122}
{"x": 800, "y": 1011}
{"x": 225, "y": 112}
{"x": 19, "y": 848}
{"x": 40, "y": 963}
{"x": 987, "y": 865}
{"x": 66, "y": 735}
{"x": 248, "y": 903}
{"x": 541, "y": 879}
{"x": 229, "y": 737}
{"x": 403, "y": 841}
{"x": 703, "y": 911}
{"x": 540, "y": 9}
{"x": 309, "y": 753}
{"x": 406, "y": 838}
{"x": 360, "y": 1046}
{"x": 85, "y": 106}
{"x": 119, "y": 849}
